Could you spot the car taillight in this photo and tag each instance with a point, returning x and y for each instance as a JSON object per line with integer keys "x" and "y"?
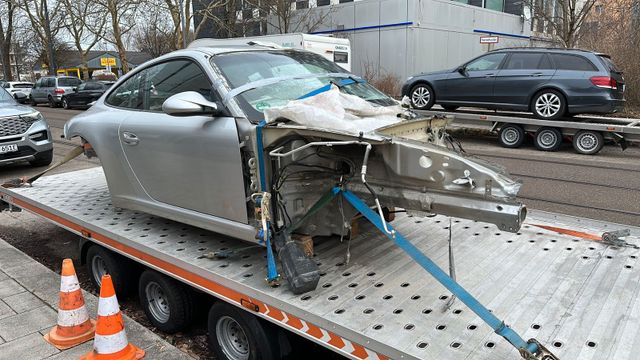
{"x": 58, "y": 91}
{"x": 606, "y": 82}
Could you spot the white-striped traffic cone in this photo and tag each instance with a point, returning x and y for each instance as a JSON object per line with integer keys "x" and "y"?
{"x": 111, "y": 341}
{"x": 74, "y": 326}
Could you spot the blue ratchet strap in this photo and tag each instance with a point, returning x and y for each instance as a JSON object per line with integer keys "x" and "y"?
{"x": 327, "y": 87}
{"x": 498, "y": 325}
{"x": 272, "y": 270}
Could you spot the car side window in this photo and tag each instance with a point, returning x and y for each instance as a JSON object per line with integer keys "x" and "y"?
{"x": 572, "y": 62}
{"x": 487, "y": 62}
{"x": 128, "y": 94}
{"x": 173, "y": 77}
{"x": 6, "y": 85}
{"x": 51, "y": 82}
{"x": 527, "y": 61}
{"x": 82, "y": 87}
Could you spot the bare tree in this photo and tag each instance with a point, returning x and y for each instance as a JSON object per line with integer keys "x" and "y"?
{"x": 562, "y": 19}
{"x": 45, "y": 23}
{"x": 7, "y": 12}
{"x": 155, "y": 34}
{"x": 86, "y": 26}
{"x": 122, "y": 17}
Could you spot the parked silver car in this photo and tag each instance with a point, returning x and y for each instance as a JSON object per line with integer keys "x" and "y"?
{"x": 180, "y": 137}
{"x": 24, "y": 134}
{"x": 50, "y": 89}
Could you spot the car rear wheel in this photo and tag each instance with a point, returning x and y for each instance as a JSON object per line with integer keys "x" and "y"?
{"x": 511, "y": 136}
{"x": 32, "y": 101}
{"x": 65, "y": 103}
{"x": 549, "y": 105}
{"x": 588, "y": 142}
{"x": 42, "y": 159}
{"x": 422, "y": 97}
{"x": 548, "y": 139}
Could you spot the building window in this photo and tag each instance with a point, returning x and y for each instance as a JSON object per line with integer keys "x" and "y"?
{"x": 302, "y": 4}
{"x": 345, "y": 1}
{"x": 493, "y": 4}
{"x": 599, "y": 9}
{"x": 323, "y": 2}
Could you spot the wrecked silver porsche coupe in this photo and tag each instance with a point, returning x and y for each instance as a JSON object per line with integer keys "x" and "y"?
{"x": 246, "y": 140}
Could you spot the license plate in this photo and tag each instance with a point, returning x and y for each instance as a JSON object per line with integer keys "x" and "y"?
{"x": 8, "y": 148}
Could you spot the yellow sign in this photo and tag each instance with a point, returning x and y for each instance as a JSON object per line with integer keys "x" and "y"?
{"x": 108, "y": 61}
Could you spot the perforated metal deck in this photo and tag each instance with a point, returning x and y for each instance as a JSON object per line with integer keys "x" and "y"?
{"x": 577, "y": 297}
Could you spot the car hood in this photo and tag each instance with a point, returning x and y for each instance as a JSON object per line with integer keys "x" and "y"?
{"x": 13, "y": 109}
{"x": 440, "y": 72}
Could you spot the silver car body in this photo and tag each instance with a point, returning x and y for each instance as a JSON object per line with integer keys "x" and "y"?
{"x": 44, "y": 90}
{"x": 200, "y": 169}
{"x": 23, "y": 131}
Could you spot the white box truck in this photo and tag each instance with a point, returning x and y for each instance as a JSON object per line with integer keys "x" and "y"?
{"x": 335, "y": 49}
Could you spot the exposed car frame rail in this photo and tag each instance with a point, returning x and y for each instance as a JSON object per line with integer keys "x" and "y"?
{"x": 379, "y": 305}
{"x": 591, "y": 129}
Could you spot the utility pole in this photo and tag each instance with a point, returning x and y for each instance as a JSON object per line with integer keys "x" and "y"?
{"x": 184, "y": 24}
{"x": 47, "y": 29}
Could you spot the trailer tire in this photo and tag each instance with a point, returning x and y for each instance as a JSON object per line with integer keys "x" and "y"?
{"x": 167, "y": 303}
{"x": 422, "y": 96}
{"x": 511, "y": 136}
{"x": 235, "y": 334}
{"x": 100, "y": 261}
{"x": 548, "y": 139}
{"x": 588, "y": 142}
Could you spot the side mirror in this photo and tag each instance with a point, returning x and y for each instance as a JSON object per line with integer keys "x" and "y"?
{"x": 462, "y": 70}
{"x": 189, "y": 103}
{"x": 75, "y": 89}
{"x": 20, "y": 96}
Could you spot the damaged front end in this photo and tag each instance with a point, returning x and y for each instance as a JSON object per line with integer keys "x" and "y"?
{"x": 398, "y": 166}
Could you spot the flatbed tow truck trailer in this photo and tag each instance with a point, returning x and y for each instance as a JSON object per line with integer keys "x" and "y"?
{"x": 557, "y": 280}
{"x": 588, "y": 133}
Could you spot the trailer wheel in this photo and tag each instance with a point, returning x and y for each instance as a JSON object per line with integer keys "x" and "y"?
{"x": 588, "y": 142}
{"x": 235, "y": 334}
{"x": 101, "y": 261}
{"x": 548, "y": 139}
{"x": 511, "y": 136}
{"x": 422, "y": 96}
{"x": 167, "y": 303}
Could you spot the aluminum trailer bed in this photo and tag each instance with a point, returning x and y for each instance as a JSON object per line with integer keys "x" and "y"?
{"x": 578, "y": 297}
{"x": 619, "y": 130}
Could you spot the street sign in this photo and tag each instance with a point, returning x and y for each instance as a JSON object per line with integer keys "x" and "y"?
{"x": 489, "y": 39}
{"x": 110, "y": 61}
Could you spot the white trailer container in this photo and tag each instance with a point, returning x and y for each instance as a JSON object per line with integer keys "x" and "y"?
{"x": 331, "y": 48}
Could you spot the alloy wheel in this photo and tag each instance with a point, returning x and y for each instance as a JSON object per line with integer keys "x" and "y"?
{"x": 548, "y": 105}
{"x": 420, "y": 96}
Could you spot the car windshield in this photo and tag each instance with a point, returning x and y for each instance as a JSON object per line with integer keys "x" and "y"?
{"x": 5, "y": 97}
{"x": 240, "y": 68}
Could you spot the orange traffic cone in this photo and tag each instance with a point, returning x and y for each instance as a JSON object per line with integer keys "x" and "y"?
{"x": 111, "y": 341}
{"x": 74, "y": 326}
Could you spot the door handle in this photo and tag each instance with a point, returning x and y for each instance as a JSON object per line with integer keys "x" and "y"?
{"x": 536, "y": 74}
{"x": 130, "y": 138}
{"x": 489, "y": 75}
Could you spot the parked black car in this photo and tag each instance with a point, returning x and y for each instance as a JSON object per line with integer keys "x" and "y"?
{"x": 85, "y": 94}
{"x": 551, "y": 83}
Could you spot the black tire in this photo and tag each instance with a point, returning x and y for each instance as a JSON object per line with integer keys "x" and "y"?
{"x": 32, "y": 101}
{"x": 42, "y": 159}
{"x": 588, "y": 142}
{"x": 450, "y": 107}
{"x": 549, "y": 104}
{"x": 167, "y": 303}
{"x": 548, "y": 139}
{"x": 65, "y": 103}
{"x": 422, "y": 96}
{"x": 511, "y": 136}
{"x": 233, "y": 332}
{"x": 100, "y": 261}
{"x": 52, "y": 103}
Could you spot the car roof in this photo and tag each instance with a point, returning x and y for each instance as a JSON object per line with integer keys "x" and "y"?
{"x": 222, "y": 49}
{"x": 545, "y": 49}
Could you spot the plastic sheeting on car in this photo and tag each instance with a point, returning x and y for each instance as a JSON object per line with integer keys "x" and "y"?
{"x": 335, "y": 110}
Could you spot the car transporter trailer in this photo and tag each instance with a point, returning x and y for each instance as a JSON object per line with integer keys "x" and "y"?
{"x": 588, "y": 133}
{"x": 571, "y": 283}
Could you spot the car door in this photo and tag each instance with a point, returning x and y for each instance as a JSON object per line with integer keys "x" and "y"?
{"x": 37, "y": 89}
{"x": 522, "y": 74}
{"x": 191, "y": 162}
{"x": 76, "y": 98}
{"x": 474, "y": 83}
